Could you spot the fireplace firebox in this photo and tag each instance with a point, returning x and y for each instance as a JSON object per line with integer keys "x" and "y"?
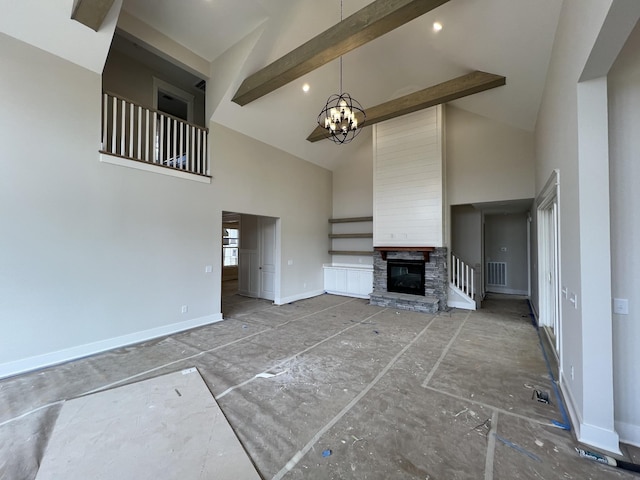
{"x": 405, "y": 276}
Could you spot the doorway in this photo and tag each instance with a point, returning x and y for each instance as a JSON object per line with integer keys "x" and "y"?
{"x": 250, "y": 248}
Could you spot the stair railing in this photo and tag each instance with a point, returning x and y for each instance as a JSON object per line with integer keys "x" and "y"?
{"x": 462, "y": 276}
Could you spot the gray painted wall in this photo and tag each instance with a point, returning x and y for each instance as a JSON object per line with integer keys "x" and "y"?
{"x": 95, "y": 255}
{"x": 505, "y": 240}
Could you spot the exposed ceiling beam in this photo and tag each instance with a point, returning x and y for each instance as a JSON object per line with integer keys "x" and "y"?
{"x": 369, "y": 23}
{"x": 91, "y": 12}
{"x": 453, "y": 89}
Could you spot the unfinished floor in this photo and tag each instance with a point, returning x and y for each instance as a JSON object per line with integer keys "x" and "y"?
{"x": 357, "y": 392}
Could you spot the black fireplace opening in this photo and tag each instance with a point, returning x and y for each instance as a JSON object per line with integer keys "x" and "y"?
{"x": 405, "y": 276}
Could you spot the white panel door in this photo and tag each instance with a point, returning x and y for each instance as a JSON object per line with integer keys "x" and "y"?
{"x": 248, "y": 277}
{"x": 267, "y": 267}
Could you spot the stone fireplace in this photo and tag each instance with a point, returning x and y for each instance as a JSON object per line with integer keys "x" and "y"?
{"x": 395, "y": 277}
{"x": 405, "y": 276}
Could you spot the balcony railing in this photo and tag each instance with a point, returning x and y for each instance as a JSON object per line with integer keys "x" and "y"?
{"x": 146, "y": 135}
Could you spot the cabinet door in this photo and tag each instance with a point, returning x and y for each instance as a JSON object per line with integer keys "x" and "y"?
{"x": 329, "y": 279}
{"x": 335, "y": 280}
{"x": 353, "y": 282}
{"x": 366, "y": 282}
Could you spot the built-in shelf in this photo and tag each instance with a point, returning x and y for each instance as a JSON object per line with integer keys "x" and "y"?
{"x": 351, "y": 220}
{"x": 334, "y": 236}
{"x": 351, "y": 235}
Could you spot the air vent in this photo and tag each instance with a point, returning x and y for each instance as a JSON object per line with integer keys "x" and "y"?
{"x": 201, "y": 85}
{"x": 497, "y": 274}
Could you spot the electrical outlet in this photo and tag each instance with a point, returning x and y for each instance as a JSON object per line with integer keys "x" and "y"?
{"x": 208, "y": 269}
{"x": 571, "y": 372}
{"x": 185, "y": 309}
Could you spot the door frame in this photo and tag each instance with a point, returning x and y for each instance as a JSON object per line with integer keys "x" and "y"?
{"x": 549, "y": 274}
{"x": 264, "y": 225}
{"x": 250, "y": 259}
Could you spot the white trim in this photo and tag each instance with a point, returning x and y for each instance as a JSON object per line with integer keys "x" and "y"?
{"x": 464, "y": 302}
{"x": 600, "y": 438}
{"x": 628, "y": 433}
{"x": 506, "y": 291}
{"x": 570, "y": 403}
{"x": 74, "y": 353}
{"x": 186, "y": 97}
{"x": 349, "y": 266}
{"x": 294, "y": 298}
{"x": 150, "y": 167}
{"x": 549, "y": 191}
{"x": 347, "y": 294}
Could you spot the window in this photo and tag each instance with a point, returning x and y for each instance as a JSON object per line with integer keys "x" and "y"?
{"x": 230, "y": 247}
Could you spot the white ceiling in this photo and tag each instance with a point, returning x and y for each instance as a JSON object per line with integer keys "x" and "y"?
{"x": 506, "y": 37}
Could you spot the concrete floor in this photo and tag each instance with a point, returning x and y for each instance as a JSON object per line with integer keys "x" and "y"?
{"x": 351, "y": 391}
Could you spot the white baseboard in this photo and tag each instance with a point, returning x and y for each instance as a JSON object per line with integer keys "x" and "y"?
{"x": 61, "y": 356}
{"x": 506, "y": 291}
{"x": 628, "y": 433}
{"x": 570, "y": 403}
{"x": 460, "y": 305}
{"x": 597, "y": 437}
{"x": 600, "y": 438}
{"x": 295, "y": 298}
{"x": 347, "y": 294}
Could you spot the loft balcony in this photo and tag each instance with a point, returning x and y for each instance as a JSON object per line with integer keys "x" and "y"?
{"x": 141, "y": 134}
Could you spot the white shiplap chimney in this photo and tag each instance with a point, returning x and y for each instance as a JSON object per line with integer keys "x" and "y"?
{"x": 408, "y": 180}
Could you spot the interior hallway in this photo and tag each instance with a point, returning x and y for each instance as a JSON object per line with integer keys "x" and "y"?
{"x": 391, "y": 394}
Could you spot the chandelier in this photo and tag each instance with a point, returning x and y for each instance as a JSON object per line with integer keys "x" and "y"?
{"x": 342, "y": 116}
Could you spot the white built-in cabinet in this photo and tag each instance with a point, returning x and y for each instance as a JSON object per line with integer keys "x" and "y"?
{"x": 349, "y": 280}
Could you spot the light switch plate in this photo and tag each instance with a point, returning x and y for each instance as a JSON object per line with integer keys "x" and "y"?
{"x": 621, "y": 306}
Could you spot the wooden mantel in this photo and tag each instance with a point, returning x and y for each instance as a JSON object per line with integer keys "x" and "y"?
{"x": 425, "y": 251}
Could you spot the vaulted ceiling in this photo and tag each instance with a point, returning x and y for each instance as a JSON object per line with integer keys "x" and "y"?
{"x": 510, "y": 38}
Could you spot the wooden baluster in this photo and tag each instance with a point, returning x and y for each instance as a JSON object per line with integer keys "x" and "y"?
{"x": 181, "y": 149}
{"x": 131, "y": 112}
{"x": 175, "y": 143}
{"x": 139, "y": 134}
{"x": 123, "y": 128}
{"x": 114, "y": 129}
{"x": 189, "y": 149}
{"x": 205, "y": 161}
{"x": 156, "y": 156}
{"x": 146, "y": 136}
{"x": 198, "y": 151}
{"x": 105, "y": 106}
{"x": 161, "y": 140}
